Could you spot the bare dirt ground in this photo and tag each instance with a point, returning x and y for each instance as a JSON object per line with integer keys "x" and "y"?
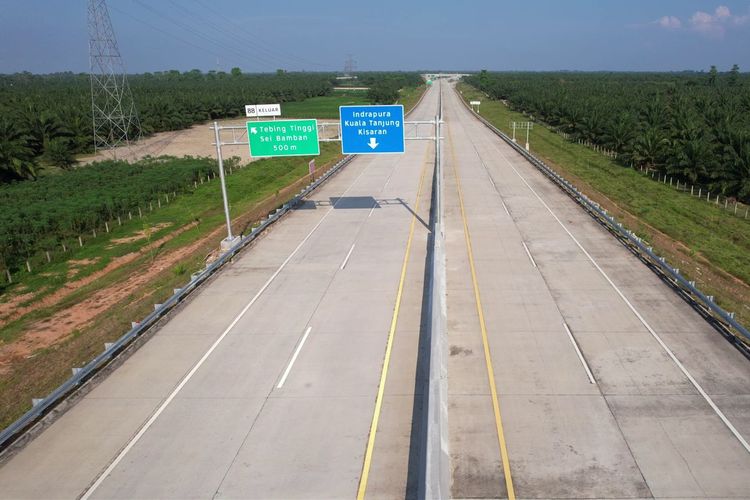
{"x": 140, "y": 235}
{"x": 58, "y": 326}
{"x": 194, "y": 141}
{"x": 14, "y": 308}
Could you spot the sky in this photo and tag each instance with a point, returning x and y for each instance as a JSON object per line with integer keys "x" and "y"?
{"x": 44, "y": 36}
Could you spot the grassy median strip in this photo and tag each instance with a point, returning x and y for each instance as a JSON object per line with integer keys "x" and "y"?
{"x": 707, "y": 243}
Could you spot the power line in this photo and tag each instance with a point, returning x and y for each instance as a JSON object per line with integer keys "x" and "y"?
{"x": 235, "y": 26}
{"x": 171, "y": 35}
{"x": 197, "y": 33}
{"x": 253, "y": 60}
{"x": 221, "y": 31}
{"x": 203, "y": 36}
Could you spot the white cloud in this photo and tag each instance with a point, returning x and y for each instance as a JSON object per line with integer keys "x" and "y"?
{"x": 722, "y": 12}
{"x": 716, "y": 24}
{"x": 712, "y": 25}
{"x": 670, "y": 22}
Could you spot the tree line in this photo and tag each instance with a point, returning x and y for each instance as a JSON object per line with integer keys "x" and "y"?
{"x": 46, "y": 119}
{"x": 384, "y": 87}
{"x": 694, "y": 126}
{"x": 44, "y": 214}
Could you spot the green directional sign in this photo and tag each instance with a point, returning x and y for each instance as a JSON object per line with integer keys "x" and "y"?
{"x": 283, "y": 138}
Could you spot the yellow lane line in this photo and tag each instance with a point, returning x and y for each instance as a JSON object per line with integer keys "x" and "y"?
{"x": 389, "y": 346}
{"x": 483, "y": 328}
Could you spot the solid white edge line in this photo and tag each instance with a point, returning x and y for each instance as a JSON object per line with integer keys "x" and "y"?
{"x": 100, "y": 479}
{"x": 580, "y": 354}
{"x": 294, "y": 358}
{"x": 643, "y": 321}
{"x": 346, "y": 259}
{"x": 533, "y": 262}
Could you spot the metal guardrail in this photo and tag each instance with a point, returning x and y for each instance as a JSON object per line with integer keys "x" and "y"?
{"x": 42, "y": 406}
{"x": 732, "y": 330}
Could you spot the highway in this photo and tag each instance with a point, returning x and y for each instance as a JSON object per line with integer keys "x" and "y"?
{"x": 573, "y": 371}
{"x": 267, "y": 383}
{"x": 562, "y": 382}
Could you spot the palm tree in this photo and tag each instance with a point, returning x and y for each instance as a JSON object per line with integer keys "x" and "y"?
{"x": 732, "y": 176}
{"x": 571, "y": 120}
{"x": 619, "y": 133}
{"x": 693, "y": 156}
{"x": 162, "y": 116}
{"x": 649, "y": 146}
{"x": 16, "y": 157}
{"x": 81, "y": 132}
{"x": 59, "y": 153}
{"x": 43, "y": 127}
{"x": 712, "y": 76}
{"x": 654, "y": 114}
{"x": 591, "y": 126}
{"x": 734, "y": 75}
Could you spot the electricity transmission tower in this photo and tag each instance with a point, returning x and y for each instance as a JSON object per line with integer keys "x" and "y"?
{"x": 113, "y": 109}
{"x": 349, "y": 65}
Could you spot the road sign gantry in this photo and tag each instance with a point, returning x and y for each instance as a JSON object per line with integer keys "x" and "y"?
{"x": 372, "y": 129}
{"x": 361, "y": 130}
{"x": 283, "y": 138}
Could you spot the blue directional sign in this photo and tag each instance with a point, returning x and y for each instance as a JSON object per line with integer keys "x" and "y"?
{"x": 372, "y": 129}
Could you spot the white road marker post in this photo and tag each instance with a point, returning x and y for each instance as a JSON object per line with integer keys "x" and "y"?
{"x": 527, "y": 136}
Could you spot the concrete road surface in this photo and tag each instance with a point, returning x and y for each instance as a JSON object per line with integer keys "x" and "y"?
{"x": 266, "y": 384}
{"x": 574, "y": 372}
{"x": 597, "y": 366}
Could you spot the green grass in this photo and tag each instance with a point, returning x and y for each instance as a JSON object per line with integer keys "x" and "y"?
{"x": 325, "y": 106}
{"x": 706, "y": 230}
{"x": 410, "y": 96}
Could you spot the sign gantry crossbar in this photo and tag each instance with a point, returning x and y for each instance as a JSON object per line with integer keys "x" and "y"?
{"x": 238, "y": 136}
{"x": 238, "y": 133}
{"x": 527, "y": 126}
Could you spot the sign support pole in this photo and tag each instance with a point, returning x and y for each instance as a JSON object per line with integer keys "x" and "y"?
{"x": 223, "y": 182}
